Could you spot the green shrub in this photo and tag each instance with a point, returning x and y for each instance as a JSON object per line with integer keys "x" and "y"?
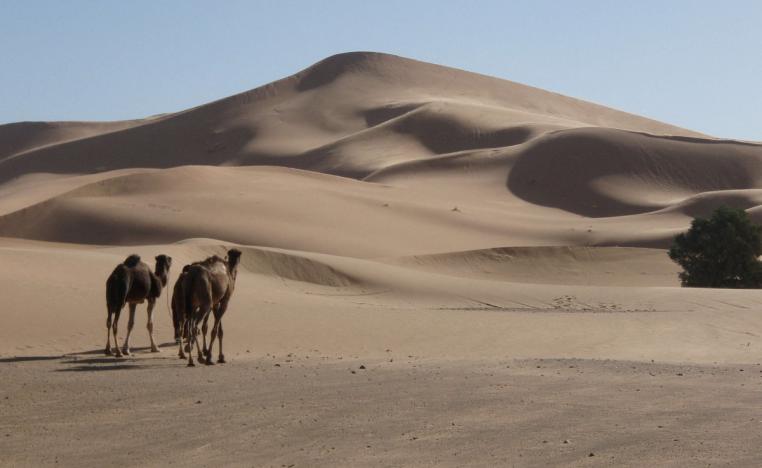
{"x": 720, "y": 252}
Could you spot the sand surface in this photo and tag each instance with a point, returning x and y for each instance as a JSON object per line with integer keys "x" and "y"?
{"x": 449, "y": 231}
{"x": 318, "y": 410}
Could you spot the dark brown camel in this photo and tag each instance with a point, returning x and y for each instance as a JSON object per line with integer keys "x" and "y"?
{"x": 132, "y": 282}
{"x": 177, "y": 306}
{"x": 178, "y": 313}
{"x": 207, "y": 287}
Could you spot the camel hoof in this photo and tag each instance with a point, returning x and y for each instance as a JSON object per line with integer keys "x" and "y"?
{"x": 209, "y": 361}
{"x": 190, "y": 364}
{"x": 126, "y": 352}
{"x": 221, "y": 360}
{"x": 155, "y": 350}
{"x": 108, "y": 352}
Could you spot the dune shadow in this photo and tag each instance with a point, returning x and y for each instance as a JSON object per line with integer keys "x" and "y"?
{"x": 565, "y": 169}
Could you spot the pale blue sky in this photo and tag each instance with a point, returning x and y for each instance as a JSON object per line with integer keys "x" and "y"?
{"x": 693, "y": 63}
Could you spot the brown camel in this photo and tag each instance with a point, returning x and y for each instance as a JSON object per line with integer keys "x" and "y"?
{"x": 132, "y": 282}
{"x": 178, "y": 313}
{"x": 207, "y": 287}
{"x": 177, "y": 306}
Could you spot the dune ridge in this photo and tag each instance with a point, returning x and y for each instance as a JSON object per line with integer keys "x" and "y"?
{"x": 453, "y": 139}
{"x": 287, "y": 122}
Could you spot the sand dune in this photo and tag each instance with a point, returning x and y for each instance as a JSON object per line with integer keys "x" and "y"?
{"x": 282, "y": 123}
{"x": 21, "y": 137}
{"x": 387, "y": 210}
{"x": 405, "y": 123}
{"x": 293, "y": 300}
{"x": 603, "y": 173}
{"x": 611, "y": 266}
{"x": 388, "y": 168}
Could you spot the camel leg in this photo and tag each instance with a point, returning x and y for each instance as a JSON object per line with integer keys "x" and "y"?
{"x": 204, "y": 329}
{"x": 181, "y": 345}
{"x": 202, "y": 351}
{"x": 215, "y": 327}
{"x": 108, "y": 333}
{"x": 149, "y": 325}
{"x": 220, "y": 357}
{"x": 115, "y": 323}
{"x": 130, "y": 324}
{"x": 187, "y": 332}
{"x": 177, "y": 323}
{"x": 179, "y": 332}
{"x": 191, "y": 339}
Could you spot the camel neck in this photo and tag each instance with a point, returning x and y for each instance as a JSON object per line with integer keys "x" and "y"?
{"x": 162, "y": 275}
{"x": 232, "y": 269}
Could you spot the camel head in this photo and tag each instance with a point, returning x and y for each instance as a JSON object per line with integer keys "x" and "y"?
{"x": 234, "y": 256}
{"x": 163, "y": 262}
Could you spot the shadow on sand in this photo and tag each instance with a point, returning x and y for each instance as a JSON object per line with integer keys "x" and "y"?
{"x": 30, "y": 358}
{"x": 74, "y": 363}
{"x": 90, "y": 368}
{"x": 86, "y": 361}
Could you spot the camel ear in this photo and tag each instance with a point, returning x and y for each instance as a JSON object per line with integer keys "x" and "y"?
{"x": 169, "y": 260}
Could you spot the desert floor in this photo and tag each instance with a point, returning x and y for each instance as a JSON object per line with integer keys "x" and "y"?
{"x": 375, "y": 364}
{"x": 318, "y": 410}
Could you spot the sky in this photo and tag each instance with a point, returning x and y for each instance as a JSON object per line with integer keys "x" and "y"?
{"x": 694, "y": 63}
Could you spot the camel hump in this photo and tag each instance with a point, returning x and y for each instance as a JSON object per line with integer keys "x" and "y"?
{"x": 132, "y": 261}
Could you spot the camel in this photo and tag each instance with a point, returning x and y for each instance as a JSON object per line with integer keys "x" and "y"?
{"x": 132, "y": 282}
{"x": 178, "y": 313}
{"x": 177, "y": 305}
{"x": 207, "y": 287}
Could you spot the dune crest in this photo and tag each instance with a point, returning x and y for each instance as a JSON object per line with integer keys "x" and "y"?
{"x": 299, "y": 121}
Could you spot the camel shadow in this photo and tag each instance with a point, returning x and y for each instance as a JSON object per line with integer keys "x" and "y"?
{"x": 105, "y": 363}
{"x": 134, "y": 349}
{"x": 94, "y": 360}
{"x": 90, "y": 364}
{"x": 91, "y": 368}
{"x": 30, "y": 358}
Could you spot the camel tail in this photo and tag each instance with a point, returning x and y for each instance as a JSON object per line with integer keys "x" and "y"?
{"x": 117, "y": 286}
{"x": 196, "y": 290}
{"x": 191, "y": 277}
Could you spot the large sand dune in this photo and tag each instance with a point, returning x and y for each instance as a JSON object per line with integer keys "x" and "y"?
{"x": 388, "y": 210}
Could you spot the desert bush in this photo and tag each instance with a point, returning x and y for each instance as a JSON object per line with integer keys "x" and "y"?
{"x": 720, "y": 252}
